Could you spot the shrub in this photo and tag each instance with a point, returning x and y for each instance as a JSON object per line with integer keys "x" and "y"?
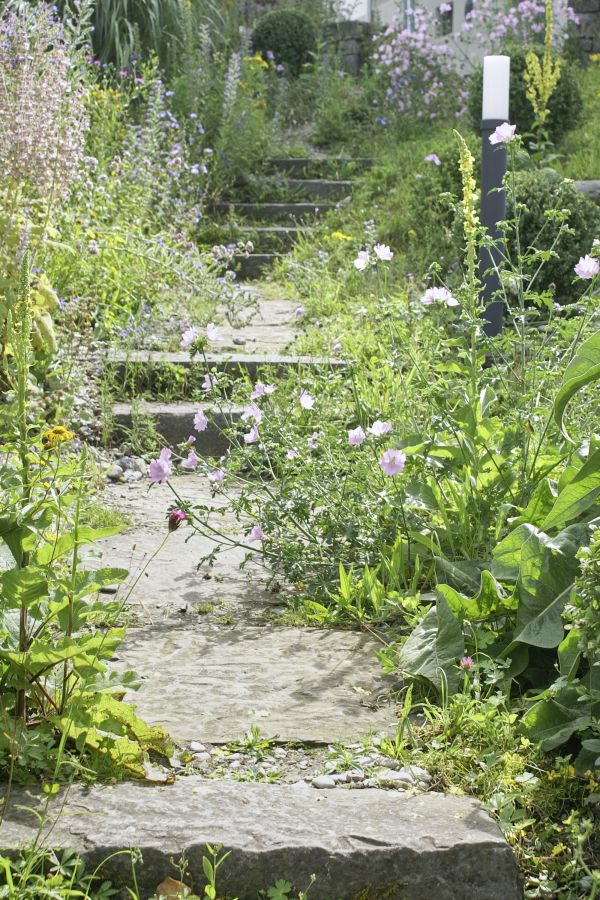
{"x": 539, "y": 191}
{"x": 289, "y": 35}
{"x": 565, "y": 104}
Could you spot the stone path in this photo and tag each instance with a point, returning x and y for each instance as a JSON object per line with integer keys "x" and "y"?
{"x": 214, "y": 664}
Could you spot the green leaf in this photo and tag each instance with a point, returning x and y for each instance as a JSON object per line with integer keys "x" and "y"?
{"x": 21, "y": 587}
{"x": 577, "y": 496}
{"x": 583, "y": 369}
{"x": 569, "y": 654}
{"x": 490, "y": 600}
{"x": 434, "y": 647}
{"x": 546, "y": 575}
{"x": 85, "y": 535}
{"x": 551, "y": 721}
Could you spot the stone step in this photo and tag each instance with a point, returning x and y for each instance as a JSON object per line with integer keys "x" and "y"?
{"x": 591, "y": 188}
{"x": 369, "y": 843}
{"x": 319, "y": 188}
{"x": 121, "y": 362}
{"x": 254, "y": 265}
{"x": 302, "y": 684}
{"x": 274, "y": 212}
{"x": 272, "y": 236}
{"x": 174, "y": 422}
{"x": 303, "y": 167}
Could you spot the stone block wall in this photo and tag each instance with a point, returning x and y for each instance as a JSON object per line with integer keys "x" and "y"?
{"x": 588, "y": 30}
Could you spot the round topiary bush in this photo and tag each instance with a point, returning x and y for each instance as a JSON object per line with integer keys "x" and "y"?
{"x": 565, "y": 104}
{"x": 289, "y": 35}
{"x": 537, "y": 191}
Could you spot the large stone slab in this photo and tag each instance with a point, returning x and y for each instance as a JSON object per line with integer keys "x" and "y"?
{"x": 165, "y": 580}
{"x": 302, "y": 684}
{"x": 374, "y": 843}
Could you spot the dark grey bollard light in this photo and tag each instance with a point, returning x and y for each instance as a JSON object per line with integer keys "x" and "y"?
{"x": 496, "y": 80}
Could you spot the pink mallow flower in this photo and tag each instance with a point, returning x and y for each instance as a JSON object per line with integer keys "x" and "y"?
{"x": 212, "y": 332}
{"x": 291, "y": 453}
{"x": 379, "y": 428}
{"x": 261, "y": 390}
{"x": 434, "y": 158}
{"x": 383, "y": 252}
{"x": 200, "y": 421}
{"x": 307, "y": 401}
{"x": 392, "y": 462}
{"x": 209, "y": 382}
{"x": 503, "y": 134}
{"x": 587, "y": 267}
{"x": 188, "y": 337}
{"x": 191, "y": 461}
{"x": 255, "y": 534}
{"x": 362, "y": 260}
{"x": 160, "y": 470}
{"x": 253, "y": 413}
{"x": 216, "y": 479}
{"x": 356, "y": 436}
{"x": 438, "y": 295}
{"x": 252, "y": 436}
{"x": 176, "y": 517}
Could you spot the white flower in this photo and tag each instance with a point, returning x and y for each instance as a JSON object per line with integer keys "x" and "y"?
{"x": 362, "y": 260}
{"x": 383, "y": 252}
{"x": 503, "y": 134}
{"x": 438, "y": 295}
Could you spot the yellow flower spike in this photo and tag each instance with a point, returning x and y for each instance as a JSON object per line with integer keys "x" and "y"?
{"x": 541, "y": 78}
{"x": 56, "y": 435}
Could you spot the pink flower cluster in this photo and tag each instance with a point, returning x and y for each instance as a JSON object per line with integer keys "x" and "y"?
{"x": 423, "y": 68}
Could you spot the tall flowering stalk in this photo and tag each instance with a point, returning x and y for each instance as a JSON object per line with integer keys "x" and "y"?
{"x": 43, "y": 122}
{"x": 472, "y": 232}
{"x": 42, "y": 113}
{"x": 542, "y": 77}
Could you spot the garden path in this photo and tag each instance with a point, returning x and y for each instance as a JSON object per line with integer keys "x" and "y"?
{"x": 256, "y": 708}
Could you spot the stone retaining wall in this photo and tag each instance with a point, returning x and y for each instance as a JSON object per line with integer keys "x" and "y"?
{"x": 588, "y": 30}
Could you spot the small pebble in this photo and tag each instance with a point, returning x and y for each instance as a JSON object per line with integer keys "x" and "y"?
{"x": 115, "y": 473}
{"x": 323, "y": 781}
{"x": 197, "y": 747}
{"x": 201, "y": 757}
{"x": 355, "y": 776}
{"x": 419, "y": 773}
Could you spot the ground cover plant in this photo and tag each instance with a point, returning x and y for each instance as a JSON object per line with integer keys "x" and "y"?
{"x": 433, "y": 486}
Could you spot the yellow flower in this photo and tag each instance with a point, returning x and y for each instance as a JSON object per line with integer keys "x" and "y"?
{"x": 340, "y": 236}
{"x": 595, "y": 57}
{"x": 56, "y": 435}
{"x": 257, "y": 58}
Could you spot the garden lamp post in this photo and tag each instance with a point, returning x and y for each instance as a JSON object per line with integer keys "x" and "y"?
{"x": 496, "y": 79}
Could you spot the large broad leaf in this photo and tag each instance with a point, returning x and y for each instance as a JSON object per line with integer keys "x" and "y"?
{"x": 434, "y": 648}
{"x": 583, "y": 369}
{"x": 489, "y": 601}
{"x": 553, "y": 721}
{"x": 546, "y": 574}
{"x": 85, "y": 535}
{"x": 507, "y": 554}
{"x": 21, "y": 587}
{"x": 577, "y": 497}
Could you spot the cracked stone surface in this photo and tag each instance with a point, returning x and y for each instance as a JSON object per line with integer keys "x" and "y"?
{"x": 387, "y": 844}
